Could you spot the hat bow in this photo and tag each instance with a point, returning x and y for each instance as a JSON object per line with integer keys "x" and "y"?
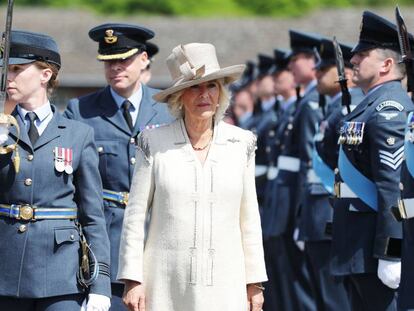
{"x": 187, "y": 69}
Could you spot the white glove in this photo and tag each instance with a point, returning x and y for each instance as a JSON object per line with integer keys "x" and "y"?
{"x": 83, "y": 306}
{"x": 389, "y": 272}
{"x": 96, "y": 303}
{"x": 300, "y": 244}
{"x": 4, "y": 133}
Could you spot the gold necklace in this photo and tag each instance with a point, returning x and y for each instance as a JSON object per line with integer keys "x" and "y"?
{"x": 204, "y": 147}
{"x": 201, "y": 148}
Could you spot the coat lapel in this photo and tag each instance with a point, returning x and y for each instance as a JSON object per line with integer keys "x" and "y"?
{"x": 219, "y": 139}
{"x": 360, "y": 108}
{"x": 146, "y": 110}
{"x": 182, "y": 141}
{"x": 23, "y": 136}
{"x": 52, "y": 130}
{"x": 111, "y": 111}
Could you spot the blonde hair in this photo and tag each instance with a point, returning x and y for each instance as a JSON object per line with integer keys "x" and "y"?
{"x": 175, "y": 104}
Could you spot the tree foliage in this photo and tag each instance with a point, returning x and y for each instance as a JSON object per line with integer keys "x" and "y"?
{"x": 210, "y": 7}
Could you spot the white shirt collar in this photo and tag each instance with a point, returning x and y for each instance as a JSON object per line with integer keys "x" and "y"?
{"x": 373, "y": 90}
{"x": 135, "y": 98}
{"x": 42, "y": 112}
{"x": 310, "y": 86}
{"x": 268, "y": 104}
{"x": 286, "y": 103}
{"x": 335, "y": 97}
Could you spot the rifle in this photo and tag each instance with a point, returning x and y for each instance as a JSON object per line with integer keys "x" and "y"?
{"x": 322, "y": 104}
{"x": 322, "y": 98}
{"x": 406, "y": 53}
{"x": 8, "y": 120}
{"x": 340, "y": 66}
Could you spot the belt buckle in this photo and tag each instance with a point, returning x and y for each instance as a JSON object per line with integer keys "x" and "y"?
{"x": 337, "y": 190}
{"x": 401, "y": 209}
{"x": 26, "y": 212}
{"x": 125, "y": 197}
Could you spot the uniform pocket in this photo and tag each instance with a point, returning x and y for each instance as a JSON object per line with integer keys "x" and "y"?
{"x": 108, "y": 157}
{"x": 66, "y": 235}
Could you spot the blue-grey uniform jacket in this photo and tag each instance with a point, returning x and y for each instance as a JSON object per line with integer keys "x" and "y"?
{"x": 361, "y": 235}
{"x": 41, "y": 258}
{"x": 299, "y": 143}
{"x": 405, "y": 297}
{"x": 294, "y": 139}
{"x": 274, "y": 219}
{"x": 317, "y": 210}
{"x": 266, "y": 120}
{"x": 116, "y": 147}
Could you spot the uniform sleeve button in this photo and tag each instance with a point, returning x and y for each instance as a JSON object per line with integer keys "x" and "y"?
{"x": 28, "y": 182}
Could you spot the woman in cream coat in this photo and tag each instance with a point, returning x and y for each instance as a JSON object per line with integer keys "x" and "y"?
{"x": 201, "y": 248}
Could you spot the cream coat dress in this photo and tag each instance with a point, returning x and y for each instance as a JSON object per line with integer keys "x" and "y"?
{"x": 202, "y": 243}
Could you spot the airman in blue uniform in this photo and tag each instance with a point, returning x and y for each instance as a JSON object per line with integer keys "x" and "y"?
{"x": 146, "y": 74}
{"x": 118, "y": 113}
{"x": 244, "y": 96}
{"x": 368, "y": 175}
{"x": 294, "y": 139}
{"x": 405, "y": 212}
{"x": 54, "y": 191}
{"x": 279, "y": 294}
{"x": 329, "y": 291}
{"x": 265, "y": 117}
{"x": 405, "y": 209}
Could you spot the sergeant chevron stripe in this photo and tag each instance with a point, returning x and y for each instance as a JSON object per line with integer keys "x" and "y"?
{"x": 393, "y": 160}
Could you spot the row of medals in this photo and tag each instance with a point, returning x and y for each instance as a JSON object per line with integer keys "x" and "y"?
{"x": 63, "y": 160}
{"x": 351, "y": 133}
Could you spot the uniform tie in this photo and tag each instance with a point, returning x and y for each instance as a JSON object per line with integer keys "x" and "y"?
{"x": 33, "y": 133}
{"x": 127, "y": 115}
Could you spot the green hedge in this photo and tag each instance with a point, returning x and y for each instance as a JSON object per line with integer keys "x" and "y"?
{"x": 210, "y": 7}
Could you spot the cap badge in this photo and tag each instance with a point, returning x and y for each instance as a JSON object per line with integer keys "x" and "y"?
{"x": 109, "y": 37}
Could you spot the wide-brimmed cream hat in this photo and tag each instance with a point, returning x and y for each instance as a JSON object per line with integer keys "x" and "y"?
{"x": 195, "y": 63}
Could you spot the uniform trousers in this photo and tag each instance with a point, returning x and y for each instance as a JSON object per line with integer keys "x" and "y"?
{"x": 116, "y": 300}
{"x": 279, "y": 293}
{"x": 367, "y": 293}
{"x": 328, "y": 290}
{"x": 58, "y": 303}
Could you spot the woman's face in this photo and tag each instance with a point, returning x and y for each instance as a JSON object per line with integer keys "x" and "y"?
{"x": 201, "y": 101}
{"x": 26, "y": 81}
